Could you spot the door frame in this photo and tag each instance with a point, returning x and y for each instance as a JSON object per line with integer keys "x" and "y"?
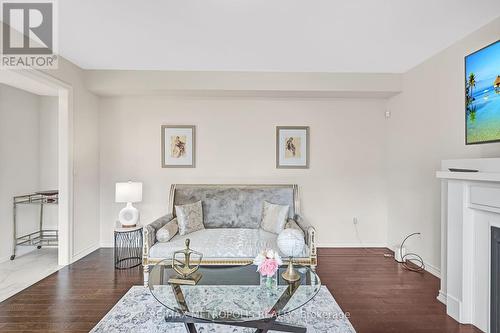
{"x": 64, "y": 154}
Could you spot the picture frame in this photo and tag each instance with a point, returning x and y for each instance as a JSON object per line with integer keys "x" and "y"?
{"x": 292, "y": 147}
{"x": 178, "y": 146}
{"x": 482, "y": 91}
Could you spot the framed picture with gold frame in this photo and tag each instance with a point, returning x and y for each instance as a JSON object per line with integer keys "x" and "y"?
{"x": 178, "y": 146}
{"x": 292, "y": 147}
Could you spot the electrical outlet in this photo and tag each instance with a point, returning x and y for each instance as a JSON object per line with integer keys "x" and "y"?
{"x": 355, "y": 220}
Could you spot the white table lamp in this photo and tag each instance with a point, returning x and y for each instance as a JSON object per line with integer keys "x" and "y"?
{"x": 128, "y": 192}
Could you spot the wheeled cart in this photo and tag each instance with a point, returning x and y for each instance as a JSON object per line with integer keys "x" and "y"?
{"x": 41, "y": 237}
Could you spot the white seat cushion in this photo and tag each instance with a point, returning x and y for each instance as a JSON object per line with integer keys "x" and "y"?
{"x": 220, "y": 243}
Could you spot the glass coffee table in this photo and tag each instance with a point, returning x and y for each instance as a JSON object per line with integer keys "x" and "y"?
{"x": 232, "y": 296}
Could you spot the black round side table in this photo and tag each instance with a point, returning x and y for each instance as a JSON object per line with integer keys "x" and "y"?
{"x": 128, "y": 247}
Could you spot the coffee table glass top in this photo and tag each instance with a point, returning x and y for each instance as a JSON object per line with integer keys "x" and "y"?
{"x": 232, "y": 293}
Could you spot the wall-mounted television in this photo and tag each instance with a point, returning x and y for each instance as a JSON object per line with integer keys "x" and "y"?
{"x": 482, "y": 95}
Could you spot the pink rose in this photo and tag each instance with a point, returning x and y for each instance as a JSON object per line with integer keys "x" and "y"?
{"x": 268, "y": 267}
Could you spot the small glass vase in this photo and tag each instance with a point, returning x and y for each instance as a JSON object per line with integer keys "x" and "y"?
{"x": 270, "y": 283}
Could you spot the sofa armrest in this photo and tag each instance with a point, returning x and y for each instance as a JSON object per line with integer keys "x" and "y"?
{"x": 310, "y": 233}
{"x": 149, "y": 233}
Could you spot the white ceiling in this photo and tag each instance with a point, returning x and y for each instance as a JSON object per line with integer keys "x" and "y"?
{"x": 265, "y": 35}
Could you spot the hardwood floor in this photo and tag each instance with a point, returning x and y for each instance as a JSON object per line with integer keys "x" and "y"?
{"x": 379, "y": 295}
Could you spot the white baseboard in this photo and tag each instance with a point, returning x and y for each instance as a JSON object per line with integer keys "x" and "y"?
{"x": 106, "y": 244}
{"x": 442, "y": 297}
{"x": 433, "y": 270}
{"x": 84, "y": 252}
{"x": 453, "y": 306}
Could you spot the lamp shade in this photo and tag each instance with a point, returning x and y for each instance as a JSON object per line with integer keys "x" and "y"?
{"x": 128, "y": 192}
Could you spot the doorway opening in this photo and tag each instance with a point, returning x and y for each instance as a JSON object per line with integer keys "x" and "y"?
{"x": 36, "y": 177}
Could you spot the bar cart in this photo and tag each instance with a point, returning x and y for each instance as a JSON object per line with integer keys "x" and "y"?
{"x": 41, "y": 237}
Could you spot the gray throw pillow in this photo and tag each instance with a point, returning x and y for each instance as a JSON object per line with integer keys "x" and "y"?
{"x": 189, "y": 218}
{"x": 274, "y": 217}
{"x": 165, "y": 233}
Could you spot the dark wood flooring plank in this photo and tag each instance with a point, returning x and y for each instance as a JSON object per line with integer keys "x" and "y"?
{"x": 379, "y": 295}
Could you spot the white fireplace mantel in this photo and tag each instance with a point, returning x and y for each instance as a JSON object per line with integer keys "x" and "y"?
{"x": 470, "y": 206}
{"x": 474, "y": 176}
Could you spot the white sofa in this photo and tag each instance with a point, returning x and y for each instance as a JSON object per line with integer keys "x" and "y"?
{"x": 231, "y": 216}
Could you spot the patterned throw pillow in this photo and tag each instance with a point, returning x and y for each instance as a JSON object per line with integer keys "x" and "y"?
{"x": 165, "y": 233}
{"x": 274, "y": 217}
{"x": 189, "y": 218}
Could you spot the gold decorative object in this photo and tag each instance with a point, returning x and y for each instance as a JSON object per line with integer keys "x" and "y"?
{"x": 186, "y": 274}
{"x": 290, "y": 274}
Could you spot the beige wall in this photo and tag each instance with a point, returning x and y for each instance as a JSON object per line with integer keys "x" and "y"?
{"x": 236, "y": 144}
{"x": 85, "y": 228}
{"x": 380, "y": 171}
{"x": 361, "y": 165}
{"x": 48, "y": 144}
{"x": 85, "y": 231}
{"x": 427, "y": 126}
{"x": 216, "y": 83}
{"x": 26, "y": 160}
{"x": 19, "y": 160}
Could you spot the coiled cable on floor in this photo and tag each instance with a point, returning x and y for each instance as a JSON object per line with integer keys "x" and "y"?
{"x": 411, "y": 261}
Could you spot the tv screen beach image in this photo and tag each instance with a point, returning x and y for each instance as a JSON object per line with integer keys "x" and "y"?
{"x": 482, "y": 95}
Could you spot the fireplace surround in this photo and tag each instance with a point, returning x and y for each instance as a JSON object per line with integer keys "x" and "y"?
{"x": 470, "y": 216}
{"x": 495, "y": 281}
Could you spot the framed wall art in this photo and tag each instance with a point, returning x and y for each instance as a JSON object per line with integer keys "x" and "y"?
{"x": 178, "y": 144}
{"x": 292, "y": 147}
{"x": 482, "y": 95}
